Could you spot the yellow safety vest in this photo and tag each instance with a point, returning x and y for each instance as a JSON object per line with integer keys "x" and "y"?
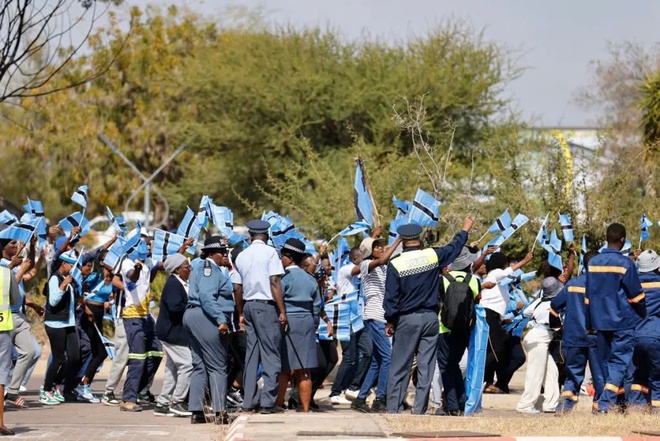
{"x": 6, "y": 323}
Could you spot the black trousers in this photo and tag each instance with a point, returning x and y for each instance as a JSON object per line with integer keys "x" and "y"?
{"x": 516, "y": 360}
{"x": 65, "y": 349}
{"x": 237, "y": 344}
{"x": 497, "y": 357}
{"x": 328, "y": 357}
{"x": 99, "y": 353}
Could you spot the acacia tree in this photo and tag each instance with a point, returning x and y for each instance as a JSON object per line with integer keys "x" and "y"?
{"x": 37, "y": 42}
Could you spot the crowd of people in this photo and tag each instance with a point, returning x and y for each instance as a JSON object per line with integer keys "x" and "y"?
{"x": 259, "y": 328}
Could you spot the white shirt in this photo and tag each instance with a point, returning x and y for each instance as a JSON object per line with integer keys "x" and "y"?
{"x": 373, "y": 285}
{"x": 497, "y": 298}
{"x": 254, "y": 267}
{"x": 346, "y": 283}
{"x": 137, "y": 296}
{"x": 539, "y": 313}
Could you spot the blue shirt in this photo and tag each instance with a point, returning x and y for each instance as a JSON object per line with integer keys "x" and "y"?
{"x": 614, "y": 295}
{"x": 211, "y": 290}
{"x": 55, "y": 294}
{"x": 650, "y": 325}
{"x": 570, "y": 300}
{"x": 301, "y": 292}
{"x": 98, "y": 290}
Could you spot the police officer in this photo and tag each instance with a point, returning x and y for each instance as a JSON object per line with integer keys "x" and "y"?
{"x": 411, "y": 311}
{"x": 210, "y": 292}
{"x": 258, "y": 287}
{"x": 615, "y": 303}
{"x": 578, "y": 346}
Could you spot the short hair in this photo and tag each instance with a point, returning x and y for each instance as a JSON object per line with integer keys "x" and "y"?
{"x": 615, "y": 232}
{"x": 497, "y": 261}
{"x": 353, "y": 253}
{"x": 547, "y": 270}
{"x": 325, "y": 256}
{"x": 236, "y": 251}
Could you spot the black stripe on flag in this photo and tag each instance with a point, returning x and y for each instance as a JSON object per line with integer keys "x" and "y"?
{"x": 72, "y": 220}
{"x": 567, "y": 227}
{"x": 284, "y": 231}
{"x": 500, "y": 225}
{"x": 166, "y": 242}
{"x": 83, "y": 194}
{"x": 360, "y": 216}
{"x": 425, "y": 210}
{"x": 189, "y": 226}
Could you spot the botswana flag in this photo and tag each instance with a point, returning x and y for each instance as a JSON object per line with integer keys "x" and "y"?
{"x": 424, "y": 210}
{"x": 35, "y": 208}
{"x": 6, "y": 218}
{"x": 118, "y": 223}
{"x": 566, "y": 227}
{"x": 355, "y": 228}
{"x": 80, "y": 196}
{"x": 166, "y": 244}
{"x": 23, "y": 230}
{"x": 501, "y": 223}
{"x": 555, "y": 243}
{"x": 190, "y": 225}
{"x": 222, "y": 218}
{"x": 74, "y": 220}
{"x": 555, "y": 261}
{"x": 644, "y": 224}
{"x": 364, "y": 204}
{"x": 402, "y": 207}
{"x": 542, "y": 236}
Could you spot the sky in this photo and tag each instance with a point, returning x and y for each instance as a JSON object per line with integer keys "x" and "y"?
{"x": 553, "y": 40}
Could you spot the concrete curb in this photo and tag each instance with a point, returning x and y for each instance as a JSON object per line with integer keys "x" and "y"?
{"x": 237, "y": 430}
{"x": 511, "y": 438}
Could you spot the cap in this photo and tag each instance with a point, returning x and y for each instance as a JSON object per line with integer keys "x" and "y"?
{"x": 409, "y": 231}
{"x": 551, "y": 287}
{"x": 214, "y": 243}
{"x": 258, "y": 226}
{"x": 368, "y": 244}
{"x": 648, "y": 261}
{"x": 69, "y": 257}
{"x": 295, "y": 245}
{"x": 465, "y": 258}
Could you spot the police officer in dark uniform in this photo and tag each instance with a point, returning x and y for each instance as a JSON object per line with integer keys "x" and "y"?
{"x": 411, "y": 310}
{"x": 210, "y": 292}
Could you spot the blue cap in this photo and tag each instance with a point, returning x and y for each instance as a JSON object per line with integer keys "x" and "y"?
{"x": 69, "y": 257}
{"x": 258, "y": 226}
{"x": 409, "y": 231}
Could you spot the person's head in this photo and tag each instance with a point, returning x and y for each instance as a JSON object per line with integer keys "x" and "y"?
{"x": 292, "y": 252}
{"x": 307, "y": 263}
{"x": 550, "y": 287}
{"x": 587, "y": 257}
{"x": 178, "y": 264}
{"x": 464, "y": 261}
{"x": 648, "y": 262}
{"x": 372, "y": 248}
{"x": 482, "y": 270}
{"x": 87, "y": 265}
{"x": 215, "y": 249}
{"x": 258, "y": 229}
{"x": 547, "y": 270}
{"x": 326, "y": 264}
{"x": 355, "y": 256}
{"x": 616, "y": 236}
{"x": 67, "y": 261}
{"x": 410, "y": 235}
{"x": 235, "y": 252}
{"x": 497, "y": 261}
{"x": 9, "y": 248}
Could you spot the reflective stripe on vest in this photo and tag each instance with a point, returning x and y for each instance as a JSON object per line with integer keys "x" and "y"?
{"x": 6, "y": 322}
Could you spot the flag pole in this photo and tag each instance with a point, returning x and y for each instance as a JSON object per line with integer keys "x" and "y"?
{"x": 534, "y": 245}
{"x": 334, "y": 237}
{"x": 482, "y": 237}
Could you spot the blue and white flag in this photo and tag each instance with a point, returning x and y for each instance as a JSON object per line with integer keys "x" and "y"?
{"x": 35, "y": 208}
{"x": 501, "y": 223}
{"x": 555, "y": 243}
{"x": 222, "y": 218}
{"x": 542, "y": 237}
{"x": 364, "y": 204}
{"x": 627, "y": 247}
{"x": 337, "y": 258}
{"x": 399, "y": 220}
{"x": 474, "y": 377}
{"x": 518, "y": 276}
{"x": 509, "y": 231}
{"x": 355, "y": 228}
{"x": 189, "y": 226}
{"x": 644, "y": 224}
{"x": 202, "y": 215}
{"x": 115, "y": 254}
{"x": 6, "y": 218}
{"x": 80, "y": 196}
{"x": 131, "y": 244}
{"x": 166, "y": 244}
{"x": 74, "y": 220}
{"x": 424, "y": 210}
{"x": 402, "y": 207}
{"x": 23, "y": 230}
{"x": 583, "y": 253}
{"x": 76, "y": 272}
{"x": 118, "y": 222}
{"x": 566, "y": 227}
{"x": 555, "y": 261}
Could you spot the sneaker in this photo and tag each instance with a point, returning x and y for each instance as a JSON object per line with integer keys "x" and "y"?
{"x": 532, "y": 411}
{"x": 360, "y": 405}
{"x": 161, "y": 410}
{"x": 379, "y": 406}
{"x": 85, "y": 394}
{"x": 22, "y": 388}
{"x": 338, "y": 399}
{"x": 234, "y": 397}
{"x": 351, "y": 394}
{"x": 180, "y": 410}
{"x": 146, "y": 399}
{"x": 109, "y": 399}
{"x": 58, "y": 395}
{"x": 48, "y": 399}
{"x": 125, "y": 406}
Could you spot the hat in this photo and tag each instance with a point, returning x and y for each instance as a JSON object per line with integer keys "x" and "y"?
{"x": 214, "y": 243}
{"x": 173, "y": 262}
{"x": 409, "y": 231}
{"x": 258, "y": 226}
{"x": 86, "y": 258}
{"x": 367, "y": 246}
{"x": 648, "y": 261}
{"x": 69, "y": 257}
{"x": 295, "y": 245}
{"x": 550, "y": 287}
{"x": 465, "y": 259}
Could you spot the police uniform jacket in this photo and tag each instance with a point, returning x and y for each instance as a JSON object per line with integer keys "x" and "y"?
{"x": 413, "y": 278}
{"x": 614, "y": 295}
{"x": 650, "y": 325}
{"x": 571, "y": 300}
{"x": 301, "y": 292}
{"x": 210, "y": 290}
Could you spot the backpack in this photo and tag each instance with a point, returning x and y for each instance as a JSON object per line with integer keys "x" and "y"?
{"x": 458, "y": 313}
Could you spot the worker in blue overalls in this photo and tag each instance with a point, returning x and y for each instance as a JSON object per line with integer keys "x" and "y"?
{"x": 578, "y": 345}
{"x": 615, "y": 304}
{"x": 645, "y": 389}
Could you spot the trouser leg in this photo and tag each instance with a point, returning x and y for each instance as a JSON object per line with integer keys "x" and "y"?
{"x": 404, "y": 346}
{"x": 24, "y": 342}
{"x": 621, "y": 347}
{"x": 120, "y": 361}
{"x": 426, "y": 357}
{"x": 136, "y": 358}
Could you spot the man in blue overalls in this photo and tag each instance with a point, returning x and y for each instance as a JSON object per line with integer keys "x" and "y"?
{"x": 578, "y": 345}
{"x": 615, "y": 303}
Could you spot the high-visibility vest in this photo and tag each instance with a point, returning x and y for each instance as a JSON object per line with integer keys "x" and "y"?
{"x": 6, "y": 323}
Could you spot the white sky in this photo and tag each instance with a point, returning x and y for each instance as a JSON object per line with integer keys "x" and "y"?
{"x": 556, "y": 39}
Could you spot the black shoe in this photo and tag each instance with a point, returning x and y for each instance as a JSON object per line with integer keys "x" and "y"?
{"x": 5, "y": 431}
{"x": 360, "y": 405}
{"x": 70, "y": 396}
{"x": 198, "y": 418}
{"x": 234, "y": 397}
{"x": 270, "y": 410}
{"x": 293, "y": 404}
{"x": 406, "y": 406}
{"x": 456, "y": 413}
{"x": 180, "y": 410}
{"x": 313, "y": 405}
{"x": 146, "y": 399}
{"x": 223, "y": 418}
{"x": 161, "y": 410}
{"x": 379, "y": 406}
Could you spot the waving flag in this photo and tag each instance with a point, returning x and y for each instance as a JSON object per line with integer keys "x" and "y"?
{"x": 336, "y": 258}
{"x": 402, "y": 207}
{"x": 542, "y": 237}
{"x": 202, "y": 214}
{"x": 474, "y": 377}
{"x": 22, "y": 230}
{"x": 166, "y": 244}
{"x": 222, "y": 218}
{"x": 364, "y": 203}
{"x": 118, "y": 223}
{"x": 399, "y": 220}
{"x": 189, "y": 226}
{"x": 645, "y": 223}
{"x": 554, "y": 244}
{"x": 566, "y": 227}
{"x": 355, "y": 228}
{"x": 131, "y": 244}
{"x": 518, "y": 276}
{"x": 627, "y": 247}
{"x": 115, "y": 254}
{"x": 76, "y": 271}
{"x": 424, "y": 210}
{"x": 74, "y": 220}
{"x": 555, "y": 261}
{"x": 509, "y": 231}
{"x": 35, "y": 208}
{"x": 80, "y": 196}
{"x": 583, "y": 252}
{"x": 6, "y": 218}
{"x": 501, "y": 223}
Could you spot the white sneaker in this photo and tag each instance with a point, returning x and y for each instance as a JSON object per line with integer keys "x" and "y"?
{"x": 85, "y": 394}
{"x": 22, "y": 388}
{"x": 532, "y": 411}
{"x": 351, "y": 394}
{"x": 338, "y": 399}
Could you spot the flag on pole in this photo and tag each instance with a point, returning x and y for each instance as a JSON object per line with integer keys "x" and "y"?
{"x": 355, "y": 228}
{"x": 130, "y": 246}
{"x": 6, "y": 218}
{"x": 76, "y": 272}
{"x": 627, "y": 247}
{"x": 74, "y": 220}
{"x": 645, "y": 223}
{"x": 364, "y": 203}
{"x": 554, "y": 244}
{"x": 399, "y": 220}
{"x": 202, "y": 215}
{"x": 35, "y": 208}
{"x": 118, "y": 222}
{"x": 22, "y": 230}
{"x": 542, "y": 237}
{"x": 555, "y": 261}
{"x": 80, "y": 196}
{"x": 189, "y": 226}
{"x": 402, "y": 207}
{"x": 424, "y": 210}
{"x": 583, "y": 253}
{"x": 566, "y": 227}
{"x": 501, "y": 223}
{"x": 221, "y": 217}
{"x": 509, "y": 231}
{"x": 166, "y": 244}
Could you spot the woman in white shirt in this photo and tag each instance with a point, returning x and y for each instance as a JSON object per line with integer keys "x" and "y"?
{"x": 495, "y": 300}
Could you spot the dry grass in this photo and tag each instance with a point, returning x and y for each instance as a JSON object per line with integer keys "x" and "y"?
{"x": 578, "y": 424}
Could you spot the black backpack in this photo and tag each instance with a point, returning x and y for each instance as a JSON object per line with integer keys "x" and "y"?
{"x": 458, "y": 312}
